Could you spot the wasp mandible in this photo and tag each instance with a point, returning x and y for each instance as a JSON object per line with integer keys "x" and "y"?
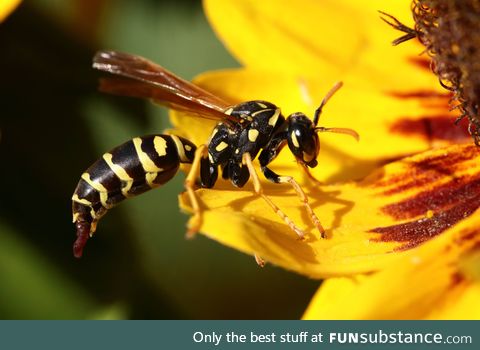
{"x": 243, "y": 131}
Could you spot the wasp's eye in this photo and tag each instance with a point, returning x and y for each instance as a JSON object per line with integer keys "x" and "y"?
{"x": 303, "y": 140}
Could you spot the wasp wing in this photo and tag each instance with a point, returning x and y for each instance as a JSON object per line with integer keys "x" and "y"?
{"x": 139, "y": 77}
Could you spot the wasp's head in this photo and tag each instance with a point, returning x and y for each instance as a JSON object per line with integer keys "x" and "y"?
{"x": 302, "y": 132}
{"x": 303, "y": 139}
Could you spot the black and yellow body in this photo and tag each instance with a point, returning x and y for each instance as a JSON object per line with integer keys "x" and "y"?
{"x": 259, "y": 121}
{"x": 126, "y": 171}
{"x": 147, "y": 162}
{"x": 243, "y": 132}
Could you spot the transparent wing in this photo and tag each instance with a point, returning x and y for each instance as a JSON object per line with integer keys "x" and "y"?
{"x": 139, "y": 77}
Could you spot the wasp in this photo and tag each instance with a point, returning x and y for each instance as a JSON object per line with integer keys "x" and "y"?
{"x": 243, "y": 132}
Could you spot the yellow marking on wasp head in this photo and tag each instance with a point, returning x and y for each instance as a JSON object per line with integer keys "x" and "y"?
{"x": 252, "y": 135}
{"x": 221, "y": 146}
{"x": 295, "y": 140}
{"x": 188, "y": 148}
{"x": 273, "y": 119}
{"x": 160, "y": 145}
{"x": 147, "y": 163}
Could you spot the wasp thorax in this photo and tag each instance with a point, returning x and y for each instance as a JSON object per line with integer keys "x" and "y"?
{"x": 302, "y": 139}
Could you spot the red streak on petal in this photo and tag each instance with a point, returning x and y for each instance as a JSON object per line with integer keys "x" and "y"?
{"x": 420, "y": 94}
{"x": 427, "y": 171}
{"x": 432, "y": 128}
{"x": 416, "y": 232}
{"x": 412, "y": 183}
{"x": 460, "y": 192}
{"x": 450, "y": 202}
{"x": 472, "y": 235}
{"x": 421, "y": 62}
{"x": 456, "y": 279}
{"x": 428, "y": 99}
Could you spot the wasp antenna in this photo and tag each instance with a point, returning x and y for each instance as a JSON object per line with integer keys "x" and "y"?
{"x": 329, "y": 94}
{"x": 345, "y": 131}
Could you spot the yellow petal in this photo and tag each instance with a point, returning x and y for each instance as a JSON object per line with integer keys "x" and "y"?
{"x": 309, "y": 35}
{"x": 6, "y": 7}
{"x": 439, "y": 280}
{"x": 396, "y": 208}
{"x": 328, "y": 41}
{"x": 392, "y": 122}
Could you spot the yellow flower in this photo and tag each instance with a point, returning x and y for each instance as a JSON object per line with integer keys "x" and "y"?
{"x": 7, "y": 7}
{"x": 438, "y": 280}
{"x": 292, "y": 53}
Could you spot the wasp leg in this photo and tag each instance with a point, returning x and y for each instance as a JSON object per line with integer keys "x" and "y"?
{"x": 304, "y": 199}
{"x": 307, "y": 172}
{"x": 196, "y": 220}
{"x": 247, "y": 160}
{"x": 272, "y": 176}
{"x": 258, "y": 259}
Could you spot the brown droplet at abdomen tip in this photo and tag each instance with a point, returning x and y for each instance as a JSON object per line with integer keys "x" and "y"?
{"x": 83, "y": 234}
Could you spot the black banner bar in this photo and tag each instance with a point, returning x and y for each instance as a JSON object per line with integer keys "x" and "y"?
{"x": 249, "y": 335}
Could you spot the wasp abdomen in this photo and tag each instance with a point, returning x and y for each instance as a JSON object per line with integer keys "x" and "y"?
{"x": 128, "y": 170}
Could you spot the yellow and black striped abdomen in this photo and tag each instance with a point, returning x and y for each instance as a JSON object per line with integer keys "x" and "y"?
{"x": 128, "y": 170}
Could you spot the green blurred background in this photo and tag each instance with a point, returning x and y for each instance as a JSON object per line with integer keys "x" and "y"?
{"x": 54, "y": 124}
